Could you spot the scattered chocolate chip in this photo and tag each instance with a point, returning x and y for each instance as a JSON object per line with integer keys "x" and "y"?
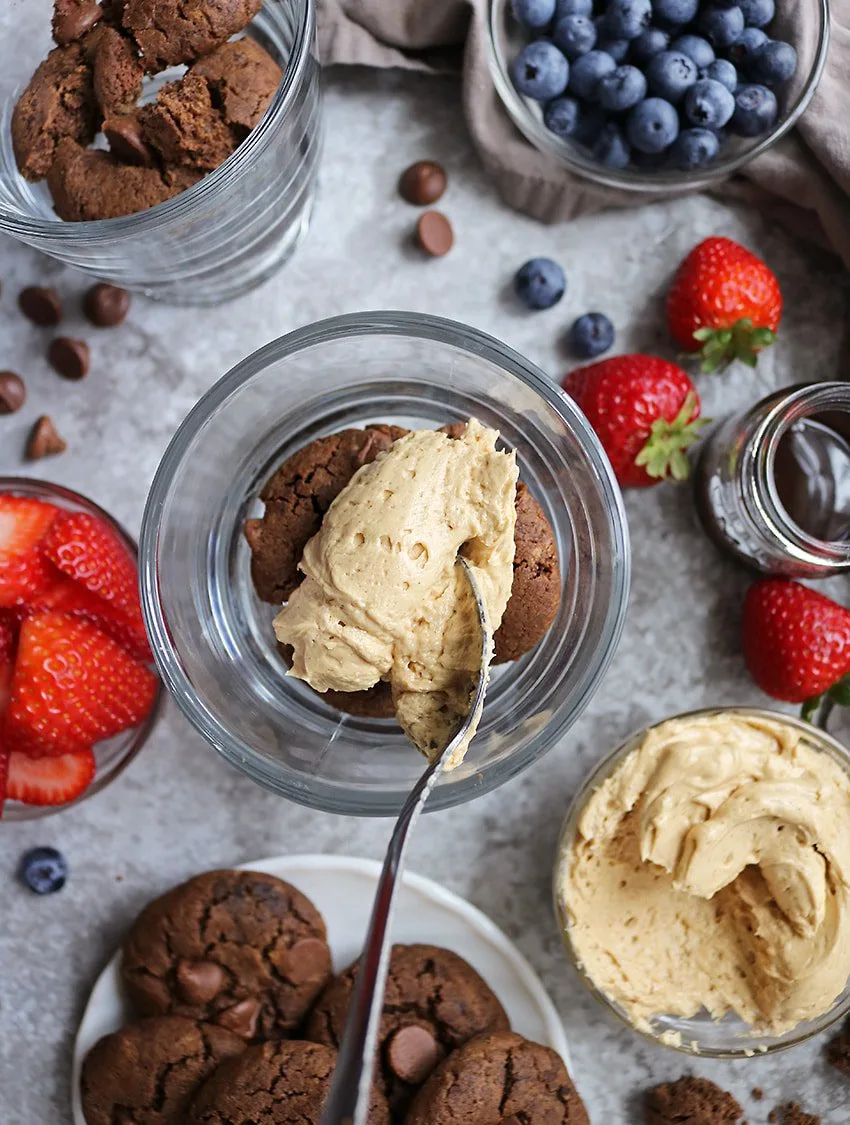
{"x": 422, "y": 183}
{"x": 41, "y": 306}
{"x": 241, "y": 1019}
{"x": 13, "y": 393}
{"x": 73, "y": 18}
{"x": 757, "y": 1093}
{"x": 412, "y": 1053}
{"x": 434, "y": 234}
{"x": 307, "y": 960}
{"x": 43, "y": 440}
{"x": 69, "y": 358}
{"x": 127, "y": 142}
{"x": 106, "y": 305}
{"x": 199, "y": 981}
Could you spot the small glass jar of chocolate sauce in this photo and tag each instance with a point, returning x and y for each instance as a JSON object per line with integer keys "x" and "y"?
{"x": 773, "y": 484}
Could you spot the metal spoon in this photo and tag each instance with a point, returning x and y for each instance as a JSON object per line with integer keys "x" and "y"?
{"x": 348, "y": 1099}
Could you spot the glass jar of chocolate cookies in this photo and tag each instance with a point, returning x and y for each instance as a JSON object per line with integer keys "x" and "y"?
{"x": 175, "y": 157}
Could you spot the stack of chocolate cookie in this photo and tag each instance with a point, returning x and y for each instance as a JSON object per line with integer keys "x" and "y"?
{"x": 240, "y": 1021}
{"x": 299, "y": 493}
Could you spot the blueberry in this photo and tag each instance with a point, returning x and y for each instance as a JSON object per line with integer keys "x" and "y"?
{"x": 43, "y": 870}
{"x": 649, "y": 44}
{"x": 540, "y": 71}
{"x": 561, "y": 117}
{"x": 709, "y": 104}
{"x": 773, "y": 63}
{"x": 722, "y": 71}
{"x": 592, "y": 119}
{"x": 671, "y": 74}
{"x": 755, "y": 111}
{"x": 626, "y": 19}
{"x": 721, "y": 25}
{"x": 586, "y": 72}
{"x": 695, "y": 148}
{"x": 675, "y": 11}
{"x": 535, "y": 14}
{"x": 758, "y": 13}
{"x": 621, "y": 89}
{"x": 748, "y": 43}
{"x": 652, "y": 125}
{"x": 573, "y": 8}
{"x": 590, "y": 335}
{"x": 611, "y": 147}
{"x": 698, "y": 50}
{"x": 574, "y": 35}
{"x": 540, "y": 283}
{"x": 616, "y": 48}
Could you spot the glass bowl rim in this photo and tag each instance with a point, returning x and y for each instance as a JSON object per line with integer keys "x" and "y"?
{"x": 321, "y": 795}
{"x": 604, "y": 769}
{"x": 659, "y": 183}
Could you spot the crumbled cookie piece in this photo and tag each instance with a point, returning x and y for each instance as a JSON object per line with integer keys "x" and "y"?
{"x": 73, "y": 18}
{"x": 117, "y": 72}
{"x": 691, "y": 1101}
{"x": 838, "y": 1050}
{"x": 791, "y": 1113}
{"x": 242, "y": 78}
{"x": 186, "y": 128}
{"x": 169, "y": 32}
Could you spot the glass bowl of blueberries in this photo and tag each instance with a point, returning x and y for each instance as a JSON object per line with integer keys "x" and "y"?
{"x": 656, "y": 95}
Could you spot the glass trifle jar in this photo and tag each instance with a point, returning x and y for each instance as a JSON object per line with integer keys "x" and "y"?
{"x": 219, "y": 238}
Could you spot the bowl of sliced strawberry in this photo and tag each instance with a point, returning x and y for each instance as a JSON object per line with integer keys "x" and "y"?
{"x": 78, "y": 696}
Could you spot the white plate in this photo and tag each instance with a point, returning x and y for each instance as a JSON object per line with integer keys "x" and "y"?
{"x": 343, "y": 889}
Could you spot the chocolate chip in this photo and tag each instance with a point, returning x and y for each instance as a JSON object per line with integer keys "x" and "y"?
{"x": 422, "y": 183}
{"x": 241, "y": 1019}
{"x": 412, "y": 1053}
{"x": 73, "y": 18}
{"x": 41, "y": 306}
{"x": 434, "y": 234}
{"x": 69, "y": 358}
{"x": 13, "y": 393}
{"x": 307, "y": 960}
{"x": 127, "y": 142}
{"x": 200, "y": 981}
{"x": 106, "y": 305}
{"x": 43, "y": 440}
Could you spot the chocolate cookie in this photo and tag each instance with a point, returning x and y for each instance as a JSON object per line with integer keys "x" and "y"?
{"x": 147, "y": 1072}
{"x": 169, "y": 32}
{"x": 284, "y": 1083}
{"x": 73, "y": 18}
{"x": 237, "y": 948}
{"x": 117, "y": 71}
{"x": 242, "y": 78}
{"x": 434, "y": 1002}
{"x": 691, "y": 1101}
{"x": 185, "y": 127}
{"x": 499, "y": 1078}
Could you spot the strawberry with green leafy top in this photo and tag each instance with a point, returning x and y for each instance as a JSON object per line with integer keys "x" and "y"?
{"x": 645, "y": 412}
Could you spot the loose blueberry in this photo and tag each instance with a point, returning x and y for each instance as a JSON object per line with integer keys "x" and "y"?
{"x": 709, "y": 104}
{"x": 574, "y": 35}
{"x": 671, "y": 74}
{"x": 611, "y": 147}
{"x": 535, "y": 14}
{"x": 698, "y": 50}
{"x": 758, "y": 13}
{"x": 621, "y": 89}
{"x": 540, "y": 71}
{"x": 652, "y": 125}
{"x": 755, "y": 111}
{"x": 722, "y": 26}
{"x": 586, "y": 72}
{"x": 649, "y": 44}
{"x": 43, "y": 870}
{"x": 675, "y": 11}
{"x": 573, "y": 8}
{"x": 773, "y": 63}
{"x": 626, "y": 19}
{"x": 540, "y": 283}
{"x": 561, "y": 117}
{"x": 722, "y": 71}
{"x": 590, "y": 335}
{"x": 746, "y": 46}
{"x": 616, "y": 48}
{"x": 695, "y": 148}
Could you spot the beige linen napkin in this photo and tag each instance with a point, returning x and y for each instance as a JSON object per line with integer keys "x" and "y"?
{"x": 804, "y": 181}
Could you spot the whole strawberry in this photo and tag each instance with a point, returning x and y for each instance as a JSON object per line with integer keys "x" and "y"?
{"x": 796, "y": 642}
{"x": 724, "y": 303}
{"x": 645, "y": 412}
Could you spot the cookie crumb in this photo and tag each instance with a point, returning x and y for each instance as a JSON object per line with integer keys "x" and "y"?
{"x": 791, "y": 1113}
{"x": 757, "y": 1093}
{"x": 838, "y": 1051}
{"x": 691, "y": 1099}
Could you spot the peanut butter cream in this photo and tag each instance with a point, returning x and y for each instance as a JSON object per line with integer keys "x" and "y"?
{"x": 711, "y": 871}
{"x": 383, "y": 597}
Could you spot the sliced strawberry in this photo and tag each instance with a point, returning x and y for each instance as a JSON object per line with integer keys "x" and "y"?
{"x": 86, "y": 549}
{"x": 72, "y": 687}
{"x": 68, "y": 596}
{"x": 8, "y": 639}
{"x": 49, "y": 781}
{"x": 24, "y": 523}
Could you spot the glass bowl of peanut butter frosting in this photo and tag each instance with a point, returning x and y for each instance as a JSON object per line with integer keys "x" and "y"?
{"x": 702, "y": 882}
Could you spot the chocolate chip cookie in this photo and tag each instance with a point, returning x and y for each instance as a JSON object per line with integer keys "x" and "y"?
{"x": 242, "y": 78}
{"x": 169, "y": 32}
{"x": 434, "y": 1002}
{"x": 691, "y": 1101}
{"x": 283, "y": 1083}
{"x": 148, "y": 1071}
{"x": 185, "y": 128}
{"x": 498, "y": 1079}
{"x": 239, "y": 949}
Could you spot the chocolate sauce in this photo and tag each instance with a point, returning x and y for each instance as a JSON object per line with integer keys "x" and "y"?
{"x": 812, "y": 477}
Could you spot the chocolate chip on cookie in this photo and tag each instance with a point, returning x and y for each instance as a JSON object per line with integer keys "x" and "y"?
{"x": 237, "y": 948}
{"x": 73, "y": 18}
{"x": 691, "y": 1099}
{"x": 282, "y": 1083}
{"x": 149, "y": 1071}
{"x": 496, "y": 1079}
{"x": 242, "y": 78}
{"x": 170, "y": 32}
{"x": 434, "y": 1002}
